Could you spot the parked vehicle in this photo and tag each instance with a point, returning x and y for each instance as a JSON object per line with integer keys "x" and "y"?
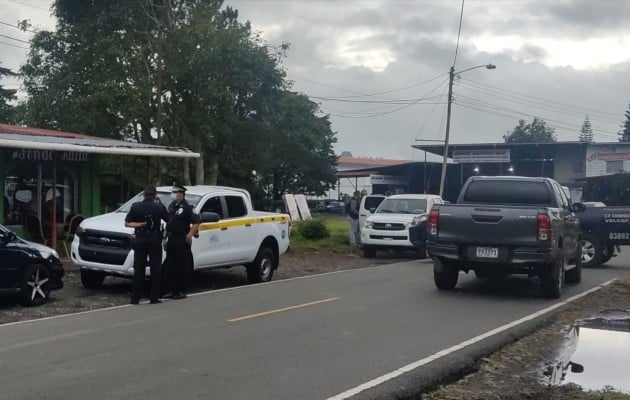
{"x": 604, "y": 229}
{"x": 321, "y": 206}
{"x": 28, "y": 270}
{"x": 240, "y": 236}
{"x": 388, "y": 227}
{"x": 336, "y": 207}
{"x": 507, "y": 225}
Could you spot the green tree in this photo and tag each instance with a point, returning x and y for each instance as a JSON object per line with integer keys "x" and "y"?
{"x": 586, "y": 133}
{"x": 6, "y": 96}
{"x": 624, "y": 134}
{"x": 535, "y": 132}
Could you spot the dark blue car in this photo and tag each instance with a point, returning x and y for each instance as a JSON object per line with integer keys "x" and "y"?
{"x": 336, "y": 207}
{"x": 28, "y": 270}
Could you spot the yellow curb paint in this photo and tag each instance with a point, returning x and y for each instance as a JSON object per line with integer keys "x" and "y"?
{"x": 262, "y": 314}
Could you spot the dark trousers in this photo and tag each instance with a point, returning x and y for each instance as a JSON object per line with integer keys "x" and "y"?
{"x": 143, "y": 248}
{"x": 179, "y": 261}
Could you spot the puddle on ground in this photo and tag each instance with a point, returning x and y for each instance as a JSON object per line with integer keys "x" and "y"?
{"x": 596, "y": 354}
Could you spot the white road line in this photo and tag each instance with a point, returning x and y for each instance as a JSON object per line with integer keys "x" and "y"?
{"x": 410, "y": 367}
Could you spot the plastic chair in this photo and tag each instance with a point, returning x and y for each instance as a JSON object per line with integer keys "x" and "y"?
{"x": 35, "y": 229}
{"x": 68, "y": 232}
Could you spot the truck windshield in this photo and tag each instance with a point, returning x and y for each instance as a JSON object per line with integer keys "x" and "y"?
{"x": 165, "y": 198}
{"x": 403, "y": 206}
{"x": 496, "y": 191}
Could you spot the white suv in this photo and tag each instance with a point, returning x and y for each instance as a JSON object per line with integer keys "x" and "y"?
{"x": 388, "y": 227}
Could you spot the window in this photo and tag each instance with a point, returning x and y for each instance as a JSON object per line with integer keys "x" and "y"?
{"x": 614, "y": 167}
{"x": 235, "y": 206}
{"x": 497, "y": 191}
{"x": 578, "y": 167}
{"x": 213, "y": 204}
{"x": 561, "y": 196}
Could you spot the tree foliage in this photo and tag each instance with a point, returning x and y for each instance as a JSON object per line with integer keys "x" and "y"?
{"x": 6, "y": 96}
{"x": 184, "y": 73}
{"x": 624, "y": 134}
{"x": 535, "y": 132}
{"x": 586, "y": 133}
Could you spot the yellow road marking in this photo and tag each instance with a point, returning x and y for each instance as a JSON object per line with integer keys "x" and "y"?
{"x": 281, "y": 309}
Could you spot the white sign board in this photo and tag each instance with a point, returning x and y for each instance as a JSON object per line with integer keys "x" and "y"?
{"x": 302, "y": 206}
{"x": 597, "y": 158}
{"x": 387, "y": 180}
{"x": 289, "y": 200}
{"x": 481, "y": 156}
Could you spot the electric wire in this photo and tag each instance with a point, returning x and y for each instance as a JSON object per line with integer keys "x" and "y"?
{"x": 16, "y": 39}
{"x": 13, "y": 45}
{"x": 16, "y": 27}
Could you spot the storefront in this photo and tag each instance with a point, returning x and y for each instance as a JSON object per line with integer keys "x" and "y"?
{"x": 51, "y": 176}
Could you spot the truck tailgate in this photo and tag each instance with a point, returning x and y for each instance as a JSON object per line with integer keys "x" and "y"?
{"x": 489, "y": 225}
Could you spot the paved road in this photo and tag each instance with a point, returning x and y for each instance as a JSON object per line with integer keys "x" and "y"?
{"x": 309, "y": 338}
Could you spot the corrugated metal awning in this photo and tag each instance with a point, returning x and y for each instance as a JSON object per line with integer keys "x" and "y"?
{"x": 12, "y": 136}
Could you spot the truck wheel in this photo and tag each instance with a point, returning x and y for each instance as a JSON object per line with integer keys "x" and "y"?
{"x": 574, "y": 275}
{"x": 592, "y": 251}
{"x": 369, "y": 251}
{"x": 261, "y": 270}
{"x": 35, "y": 285}
{"x": 92, "y": 279}
{"x": 444, "y": 275}
{"x": 552, "y": 278}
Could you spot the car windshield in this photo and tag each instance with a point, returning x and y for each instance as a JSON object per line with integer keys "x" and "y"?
{"x": 165, "y": 198}
{"x": 403, "y": 206}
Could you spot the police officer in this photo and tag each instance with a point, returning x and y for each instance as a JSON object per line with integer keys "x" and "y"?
{"x": 145, "y": 217}
{"x": 181, "y": 228}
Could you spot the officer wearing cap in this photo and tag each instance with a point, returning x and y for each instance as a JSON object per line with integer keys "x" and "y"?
{"x": 146, "y": 218}
{"x": 181, "y": 227}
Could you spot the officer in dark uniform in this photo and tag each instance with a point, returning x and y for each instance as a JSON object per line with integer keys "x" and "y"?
{"x": 146, "y": 217}
{"x": 182, "y": 226}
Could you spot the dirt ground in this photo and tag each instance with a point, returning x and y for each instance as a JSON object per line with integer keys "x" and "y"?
{"x": 515, "y": 372}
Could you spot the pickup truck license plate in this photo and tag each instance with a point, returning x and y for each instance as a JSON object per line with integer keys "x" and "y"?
{"x": 487, "y": 252}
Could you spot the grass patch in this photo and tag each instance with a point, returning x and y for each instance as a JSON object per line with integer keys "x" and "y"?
{"x": 337, "y": 242}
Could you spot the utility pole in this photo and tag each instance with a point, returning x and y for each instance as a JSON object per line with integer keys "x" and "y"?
{"x": 451, "y": 76}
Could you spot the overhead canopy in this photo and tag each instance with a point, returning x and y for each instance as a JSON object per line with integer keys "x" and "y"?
{"x": 519, "y": 151}
{"x": 12, "y": 136}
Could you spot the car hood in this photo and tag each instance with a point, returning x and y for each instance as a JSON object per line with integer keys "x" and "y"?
{"x": 112, "y": 222}
{"x": 31, "y": 247}
{"x": 400, "y": 218}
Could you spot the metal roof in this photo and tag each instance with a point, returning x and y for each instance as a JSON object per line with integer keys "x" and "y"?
{"x": 13, "y": 136}
{"x": 549, "y": 148}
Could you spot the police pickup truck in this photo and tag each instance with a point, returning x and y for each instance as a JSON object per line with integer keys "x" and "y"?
{"x": 102, "y": 245}
{"x": 604, "y": 229}
{"x": 507, "y": 225}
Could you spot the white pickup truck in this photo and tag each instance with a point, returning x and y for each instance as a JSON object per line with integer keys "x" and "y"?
{"x": 242, "y": 236}
{"x": 388, "y": 226}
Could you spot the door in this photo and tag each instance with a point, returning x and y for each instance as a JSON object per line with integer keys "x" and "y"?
{"x": 9, "y": 263}
{"x": 213, "y": 246}
{"x": 242, "y": 230}
{"x": 570, "y": 222}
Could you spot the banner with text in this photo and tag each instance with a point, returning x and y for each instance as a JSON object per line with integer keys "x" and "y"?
{"x": 481, "y": 156}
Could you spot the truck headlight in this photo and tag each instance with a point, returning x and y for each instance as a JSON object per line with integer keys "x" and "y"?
{"x": 418, "y": 220}
{"x": 369, "y": 224}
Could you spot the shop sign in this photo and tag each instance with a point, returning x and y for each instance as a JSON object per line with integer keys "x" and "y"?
{"x": 49, "y": 155}
{"x": 481, "y": 156}
{"x": 387, "y": 180}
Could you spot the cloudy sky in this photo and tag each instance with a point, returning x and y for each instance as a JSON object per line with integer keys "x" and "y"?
{"x": 380, "y": 68}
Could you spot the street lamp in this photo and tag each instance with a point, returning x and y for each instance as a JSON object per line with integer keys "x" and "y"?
{"x": 451, "y": 76}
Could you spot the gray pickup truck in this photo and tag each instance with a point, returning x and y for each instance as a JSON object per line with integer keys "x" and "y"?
{"x": 507, "y": 225}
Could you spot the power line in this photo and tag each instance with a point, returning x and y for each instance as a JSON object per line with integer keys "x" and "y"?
{"x": 459, "y": 31}
{"x": 540, "y": 98}
{"x": 14, "y": 45}
{"x": 28, "y": 5}
{"x": 16, "y": 39}
{"x": 16, "y": 27}
{"x": 535, "y": 104}
{"x": 359, "y": 94}
{"x": 398, "y": 101}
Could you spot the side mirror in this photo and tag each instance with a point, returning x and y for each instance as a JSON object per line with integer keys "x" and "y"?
{"x": 208, "y": 217}
{"x": 579, "y": 207}
{"x": 372, "y": 210}
{"x": 577, "y": 368}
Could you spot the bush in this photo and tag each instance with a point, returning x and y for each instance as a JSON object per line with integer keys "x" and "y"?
{"x": 313, "y": 229}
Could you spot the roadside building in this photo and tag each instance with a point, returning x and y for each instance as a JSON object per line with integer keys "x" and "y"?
{"x": 50, "y": 176}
